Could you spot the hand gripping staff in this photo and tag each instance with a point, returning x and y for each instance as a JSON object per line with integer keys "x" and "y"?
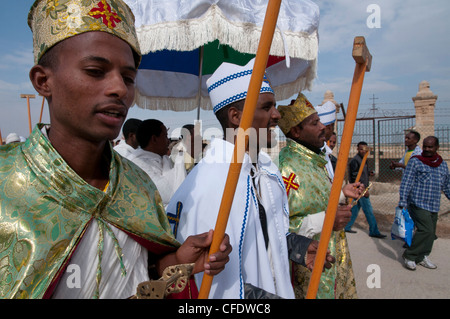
{"x": 262, "y": 55}
{"x": 363, "y": 60}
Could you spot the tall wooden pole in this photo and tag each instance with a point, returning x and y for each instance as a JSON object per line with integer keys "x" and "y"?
{"x": 28, "y": 97}
{"x": 361, "y": 168}
{"x": 42, "y": 108}
{"x": 363, "y": 61}
{"x": 256, "y": 78}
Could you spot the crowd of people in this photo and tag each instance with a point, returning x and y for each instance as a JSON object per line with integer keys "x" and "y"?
{"x": 71, "y": 203}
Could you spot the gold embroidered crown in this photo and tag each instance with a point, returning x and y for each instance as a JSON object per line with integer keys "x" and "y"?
{"x": 294, "y": 114}
{"x": 52, "y": 21}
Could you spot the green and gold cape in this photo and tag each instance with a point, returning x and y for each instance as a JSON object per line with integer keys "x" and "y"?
{"x": 45, "y": 208}
{"x": 308, "y": 188}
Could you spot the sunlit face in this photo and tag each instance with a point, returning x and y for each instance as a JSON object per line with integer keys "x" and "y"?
{"x": 362, "y": 150}
{"x": 265, "y": 120}
{"x": 332, "y": 141}
{"x": 91, "y": 87}
{"x": 329, "y": 129}
{"x": 429, "y": 147}
{"x": 312, "y": 131}
{"x": 261, "y": 133}
{"x": 410, "y": 139}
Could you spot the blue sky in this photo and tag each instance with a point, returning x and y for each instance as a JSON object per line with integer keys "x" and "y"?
{"x": 410, "y": 45}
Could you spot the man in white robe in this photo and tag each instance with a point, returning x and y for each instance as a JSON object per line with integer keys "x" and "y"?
{"x": 259, "y": 216}
{"x": 153, "y": 159}
{"x": 129, "y": 142}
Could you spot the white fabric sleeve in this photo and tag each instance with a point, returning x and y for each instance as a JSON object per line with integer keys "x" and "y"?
{"x": 313, "y": 223}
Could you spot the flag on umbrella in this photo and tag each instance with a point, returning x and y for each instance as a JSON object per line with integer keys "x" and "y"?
{"x": 169, "y": 80}
{"x": 176, "y": 37}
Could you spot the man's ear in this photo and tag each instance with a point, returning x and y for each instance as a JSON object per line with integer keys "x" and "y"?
{"x": 295, "y": 132}
{"x": 39, "y": 77}
{"x": 234, "y": 117}
{"x": 153, "y": 140}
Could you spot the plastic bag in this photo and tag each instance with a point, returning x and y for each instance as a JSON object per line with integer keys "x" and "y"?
{"x": 403, "y": 226}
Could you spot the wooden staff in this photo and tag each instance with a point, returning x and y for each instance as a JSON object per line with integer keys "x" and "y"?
{"x": 363, "y": 60}
{"x": 42, "y": 109}
{"x": 363, "y": 163}
{"x": 28, "y": 97}
{"x": 362, "y": 194}
{"x": 256, "y": 78}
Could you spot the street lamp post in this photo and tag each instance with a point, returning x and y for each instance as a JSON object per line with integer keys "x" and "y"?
{"x": 28, "y": 97}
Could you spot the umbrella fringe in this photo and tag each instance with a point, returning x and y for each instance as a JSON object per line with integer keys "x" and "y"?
{"x": 303, "y": 83}
{"x": 171, "y": 104}
{"x": 190, "y": 34}
{"x": 282, "y": 92}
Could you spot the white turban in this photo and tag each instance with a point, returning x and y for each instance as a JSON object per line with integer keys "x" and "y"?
{"x": 12, "y": 137}
{"x": 229, "y": 83}
{"x": 327, "y": 113}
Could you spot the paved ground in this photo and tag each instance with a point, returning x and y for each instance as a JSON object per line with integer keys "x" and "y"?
{"x": 379, "y": 270}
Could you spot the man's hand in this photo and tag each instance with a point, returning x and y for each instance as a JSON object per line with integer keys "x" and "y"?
{"x": 195, "y": 249}
{"x": 353, "y": 190}
{"x": 392, "y": 165}
{"x": 311, "y": 256}
{"x": 343, "y": 215}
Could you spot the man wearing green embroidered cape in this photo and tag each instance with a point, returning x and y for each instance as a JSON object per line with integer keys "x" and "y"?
{"x": 76, "y": 219}
{"x": 308, "y": 186}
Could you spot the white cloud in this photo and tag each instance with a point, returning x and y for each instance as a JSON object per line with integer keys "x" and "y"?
{"x": 17, "y": 59}
{"x": 336, "y": 85}
{"x": 381, "y": 86}
{"x": 340, "y": 22}
{"x": 412, "y": 38}
{"x": 440, "y": 87}
{"x": 410, "y": 46}
{"x": 8, "y": 88}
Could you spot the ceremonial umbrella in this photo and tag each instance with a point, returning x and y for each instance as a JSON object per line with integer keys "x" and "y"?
{"x": 183, "y": 42}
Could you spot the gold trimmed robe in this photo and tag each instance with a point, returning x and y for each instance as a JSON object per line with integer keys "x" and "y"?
{"x": 308, "y": 187}
{"x": 45, "y": 208}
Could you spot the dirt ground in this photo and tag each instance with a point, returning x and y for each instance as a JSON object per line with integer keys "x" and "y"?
{"x": 384, "y": 198}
